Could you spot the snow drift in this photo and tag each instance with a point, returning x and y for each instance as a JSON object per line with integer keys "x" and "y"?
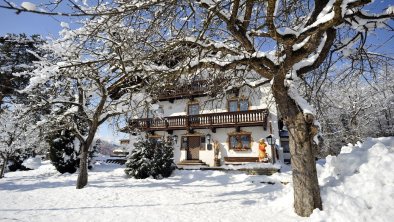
{"x": 358, "y": 184}
{"x": 32, "y": 163}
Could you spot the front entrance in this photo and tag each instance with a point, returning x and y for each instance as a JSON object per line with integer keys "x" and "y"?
{"x": 193, "y": 147}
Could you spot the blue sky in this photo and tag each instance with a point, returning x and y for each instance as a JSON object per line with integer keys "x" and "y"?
{"x": 28, "y": 23}
{"x": 31, "y": 24}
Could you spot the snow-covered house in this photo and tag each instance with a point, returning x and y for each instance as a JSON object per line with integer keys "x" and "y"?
{"x": 194, "y": 120}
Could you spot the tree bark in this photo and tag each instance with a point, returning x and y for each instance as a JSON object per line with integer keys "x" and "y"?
{"x": 301, "y": 132}
{"x": 82, "y": 180}
{"x": 2, "y": 170}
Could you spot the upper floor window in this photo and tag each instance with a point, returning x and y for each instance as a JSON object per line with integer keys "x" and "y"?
{"x": 235, "y": 105}
{"x": 243, "y": 105}
{"x": 159, "y": 112}
{"x": 193, "y": 109}
{"x": 150, "y": 113}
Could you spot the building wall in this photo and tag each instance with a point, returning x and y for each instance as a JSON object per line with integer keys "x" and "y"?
{"x": 222, "y": 137}
{"x": 259, "y": 98}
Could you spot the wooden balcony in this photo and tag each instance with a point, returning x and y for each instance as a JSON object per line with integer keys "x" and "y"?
{"x": 203, "y": 121}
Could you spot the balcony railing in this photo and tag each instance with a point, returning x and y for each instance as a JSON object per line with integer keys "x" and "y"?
{"x": 212, "y": 120}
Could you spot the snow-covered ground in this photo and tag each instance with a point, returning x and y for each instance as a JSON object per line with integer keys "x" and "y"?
{"x": 358, "y": 185}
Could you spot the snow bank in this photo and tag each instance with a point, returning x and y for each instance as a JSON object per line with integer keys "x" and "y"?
{"x": 358, "y": 184}
{"x": 252, "y": 166}
{"x": 32, "y": 163}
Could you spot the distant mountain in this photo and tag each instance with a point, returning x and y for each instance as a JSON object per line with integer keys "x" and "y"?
{"x": 106, "y": 147}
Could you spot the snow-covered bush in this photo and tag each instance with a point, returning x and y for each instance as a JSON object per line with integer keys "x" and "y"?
{"x": 150, "y": 158}
{"x": 15, "y": 161}
{"x": 32, "y": 163}
{"x": 64, "y": 152}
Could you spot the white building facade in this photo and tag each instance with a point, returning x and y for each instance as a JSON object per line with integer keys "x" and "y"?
{"x": 194, "y": 121}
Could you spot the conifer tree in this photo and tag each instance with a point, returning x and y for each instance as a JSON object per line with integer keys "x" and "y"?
{"x": 63, "y": 152}
{"x": 17, "y": 55}
{"x": 139, "y": 162}
{"x": 150, "y": 158}
{"x": 163, "y": 160}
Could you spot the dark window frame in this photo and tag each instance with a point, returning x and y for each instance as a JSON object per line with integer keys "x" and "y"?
{"x": 238, "y": 100}
{"x": 239, "y": 138}
{"x": 193, "y": 104}
{"x": 154, "y": 113}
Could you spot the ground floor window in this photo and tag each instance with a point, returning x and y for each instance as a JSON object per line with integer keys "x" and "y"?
{"x": 240, "y": 141}
{"x": 154, "y": 138}
{"x": 184, "y": 142}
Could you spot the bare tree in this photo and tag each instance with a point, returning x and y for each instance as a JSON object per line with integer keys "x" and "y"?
{"x": 17, "y": 134}
{"x": 352, "y": 105}
{"x": 279, "y": 40}
{"x": 75, "y": 92}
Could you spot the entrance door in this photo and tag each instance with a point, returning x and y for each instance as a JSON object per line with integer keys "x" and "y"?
{"x": 193, "y": 147}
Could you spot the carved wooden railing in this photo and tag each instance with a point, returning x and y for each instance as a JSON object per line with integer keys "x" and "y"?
{"x": 212, "y": 120}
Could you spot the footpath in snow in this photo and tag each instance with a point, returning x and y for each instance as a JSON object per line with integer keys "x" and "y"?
{"x": 358, "y": 185}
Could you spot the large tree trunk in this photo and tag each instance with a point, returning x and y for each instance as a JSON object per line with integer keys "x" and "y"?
{"x": 2, "y": 169}
{"x": 82, "y": 180}
{"x": 301, "y": 133}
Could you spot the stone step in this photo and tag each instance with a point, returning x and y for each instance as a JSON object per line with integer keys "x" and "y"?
{"x": 192, "y": 163}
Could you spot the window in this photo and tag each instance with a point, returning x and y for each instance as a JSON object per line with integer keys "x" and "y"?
{"x": 160, "y": 111}
{"x": 184, "y": 142}
{"x": 156, "y": 113}
{"x": 235, "y": 105}
{"x": 193, "y": 109}
{"x": 150, "y": 113}
{"x": 155, "y": 138}
{"x": 243, "y": 105}
{"x": 240, "y": 141}
{"x": 286, "y": 147}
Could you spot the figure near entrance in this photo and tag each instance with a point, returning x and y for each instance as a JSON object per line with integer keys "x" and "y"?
{"x": 262, "y": 151}
{"x": 216, "y": 150}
